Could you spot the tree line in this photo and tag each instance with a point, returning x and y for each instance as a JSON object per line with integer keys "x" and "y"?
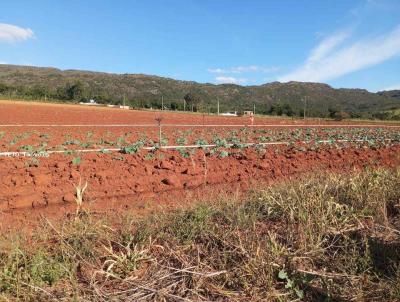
{"x": 191, "y": 101}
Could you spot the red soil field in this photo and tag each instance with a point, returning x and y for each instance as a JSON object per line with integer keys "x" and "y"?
{"x": 15, "y": 112}
{"x": 55, "y": 124}
{"x": 164, "y": 177}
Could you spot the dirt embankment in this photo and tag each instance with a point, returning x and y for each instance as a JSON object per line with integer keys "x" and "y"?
{"x": 124, "y": 178}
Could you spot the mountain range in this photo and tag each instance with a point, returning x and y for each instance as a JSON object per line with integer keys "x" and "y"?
{"x": 141, "y": 90}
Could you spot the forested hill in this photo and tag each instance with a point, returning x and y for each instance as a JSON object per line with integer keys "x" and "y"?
{"x": 140, "y": 90}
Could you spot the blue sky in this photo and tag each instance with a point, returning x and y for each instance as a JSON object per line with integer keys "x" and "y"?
{"x": 343, "y": 43}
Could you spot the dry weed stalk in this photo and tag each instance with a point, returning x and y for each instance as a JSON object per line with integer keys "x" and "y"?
{"x": 79, "y": 196}
{"x": 159, "y": 120}
{"x": 205, "y": 169}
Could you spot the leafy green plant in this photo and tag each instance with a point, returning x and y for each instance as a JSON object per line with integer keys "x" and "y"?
{"x": 201, "y": 142}
{"x": 89, "y": 134}
{"x": 184, "y": 152}
{"x": 86, "y": 144}
{"x": 181, "y": 141}
{"x": 223, "y": 154}
{"x": 71, "y": 142}
{"x": 134, "y": 148}
{"x": 290, "y": 284}
{"x": 164, "y": 141}
{"x": 103, "y": 141}
{"x": 32, "y": 162}
{"x": 69, "y": 152}
{"x": 121, "y": 141}
{"x": 149, "y": 156}
{"x": 76, "y": 161}
{"x": 220, "y": 143}
{"x": 28, "y": 148}
{"x": 236, "y": 143}
{"x": 45, "y": 136}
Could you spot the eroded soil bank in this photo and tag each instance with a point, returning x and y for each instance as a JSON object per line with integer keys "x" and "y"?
{"x": 165, "y": 175}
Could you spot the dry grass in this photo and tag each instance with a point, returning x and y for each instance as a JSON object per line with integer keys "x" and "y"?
{"x": 323, "y": 238}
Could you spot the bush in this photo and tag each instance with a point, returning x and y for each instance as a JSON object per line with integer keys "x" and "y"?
{"x": 341, "y": 115}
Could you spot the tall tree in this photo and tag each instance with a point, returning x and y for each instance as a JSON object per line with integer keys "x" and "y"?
{"x": 192, "y": 100}
{"x": 75, "y": 91}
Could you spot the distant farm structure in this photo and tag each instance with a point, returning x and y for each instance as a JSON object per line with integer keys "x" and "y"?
{"x": 234, "y": 113}
{"x": 91, "y": 102}
{"x": 248, "y": 113}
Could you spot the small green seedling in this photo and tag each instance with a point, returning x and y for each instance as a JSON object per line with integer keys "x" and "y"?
{"x": 290, "y": 284}
{"x": 76, "y": 161}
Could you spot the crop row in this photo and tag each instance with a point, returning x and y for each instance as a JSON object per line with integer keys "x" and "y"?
{"x": 36, "y": 141}
{"x": 219, "y": 147}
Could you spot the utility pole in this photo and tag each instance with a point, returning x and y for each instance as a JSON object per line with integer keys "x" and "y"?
{"x": 254, "y": 109}
{"x": 162, "y": 102}
{"x": 218, "y": 107}
{"x": 124, "y": 100}
{"x": 184, "y": 105}
{"x": 305, "y": 107}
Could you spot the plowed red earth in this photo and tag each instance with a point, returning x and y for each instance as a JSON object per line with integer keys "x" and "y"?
{"x": 167, "y": 177}
{"x": 14, "y": 112}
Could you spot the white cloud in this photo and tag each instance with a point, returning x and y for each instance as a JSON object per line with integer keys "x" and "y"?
{"x": 2, "y": 62}
{"x": 243, "y": 69}
{"x": 329, "y": 61}
{"x": 216, "y": 70}
{"x": 327, "y": 45}
{"x": 230, "y": 80}
{"x": 11, "y": 33}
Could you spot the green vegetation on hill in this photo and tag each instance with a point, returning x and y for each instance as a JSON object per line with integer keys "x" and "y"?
{"x": 145, "y": 91}
{"x": 390, "y": 93}
{"x": 323, "y": 238}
